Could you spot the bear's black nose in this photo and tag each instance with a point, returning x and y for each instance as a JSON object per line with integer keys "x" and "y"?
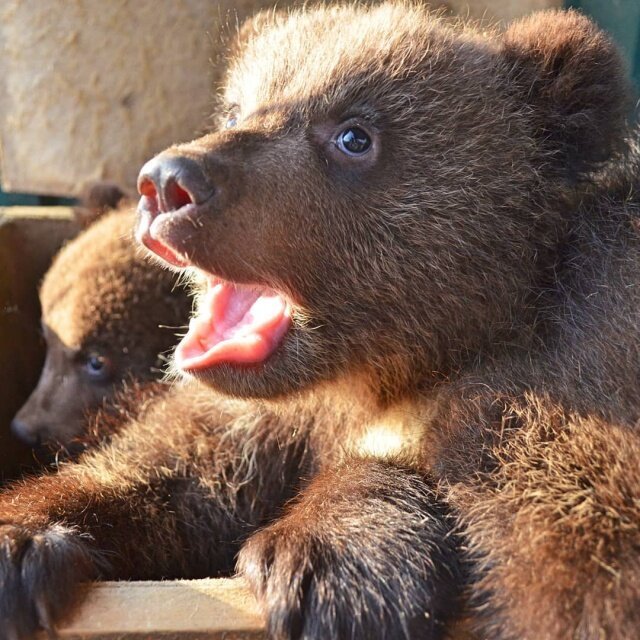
{"x": 174, "y": 181}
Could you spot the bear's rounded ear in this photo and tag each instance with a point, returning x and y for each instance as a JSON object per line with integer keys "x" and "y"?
{"x": 572, "y": 75}
{"x": 97, "y": 199}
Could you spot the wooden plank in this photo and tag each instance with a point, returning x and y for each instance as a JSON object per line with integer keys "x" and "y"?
{"x": 182, "y": 609}
{"x": 178, "y": 610}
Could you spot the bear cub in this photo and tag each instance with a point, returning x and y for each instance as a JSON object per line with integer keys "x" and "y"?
{"x": 109, "y": 318}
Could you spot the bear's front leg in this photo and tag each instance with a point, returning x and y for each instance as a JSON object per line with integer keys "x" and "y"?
{"x": 557, "y": 526}
{"x": 166, "y": 499}
{"x": 366, "y": 552}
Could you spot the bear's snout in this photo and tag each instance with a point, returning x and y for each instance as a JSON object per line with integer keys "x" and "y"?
{"x": 26, "y": 433}
{"x": 172, "y": 187}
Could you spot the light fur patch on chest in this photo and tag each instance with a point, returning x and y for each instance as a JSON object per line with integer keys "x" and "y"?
{"x": 396, "y": 431}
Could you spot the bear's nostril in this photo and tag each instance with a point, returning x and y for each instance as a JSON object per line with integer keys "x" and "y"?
{"x": 149, "y": 201}
{"x": 147, "y": 188}
{"x": 175, "y": 196}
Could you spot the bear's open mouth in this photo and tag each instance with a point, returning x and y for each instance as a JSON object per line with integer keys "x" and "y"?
{"x": 237, "y": 324}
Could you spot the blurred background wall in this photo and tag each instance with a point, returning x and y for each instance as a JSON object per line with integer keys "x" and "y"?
{"x": 90, "y": 89}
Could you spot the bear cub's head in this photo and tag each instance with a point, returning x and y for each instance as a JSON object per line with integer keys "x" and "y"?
{"x": 383, "y": 195}
{"x": 108, "y": 313}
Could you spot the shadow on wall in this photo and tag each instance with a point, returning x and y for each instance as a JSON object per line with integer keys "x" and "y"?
{"x": 28, "y": 240}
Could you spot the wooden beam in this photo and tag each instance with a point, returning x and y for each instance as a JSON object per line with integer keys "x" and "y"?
{"x": 180, "y": 610}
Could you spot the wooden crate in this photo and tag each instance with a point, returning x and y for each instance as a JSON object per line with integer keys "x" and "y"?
{"x": 183, "y": 609}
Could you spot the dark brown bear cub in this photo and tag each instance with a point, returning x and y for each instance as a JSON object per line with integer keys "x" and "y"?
{"x": 108, "y": 315}
{"x": 412, "y": 381}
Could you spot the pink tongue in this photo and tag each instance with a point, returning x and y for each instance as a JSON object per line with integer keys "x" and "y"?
{"x": 235, "y": 324}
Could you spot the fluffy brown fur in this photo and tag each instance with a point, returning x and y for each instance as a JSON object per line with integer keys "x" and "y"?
{"x": 454, "y": 409}
{"x": 109, "y": 317}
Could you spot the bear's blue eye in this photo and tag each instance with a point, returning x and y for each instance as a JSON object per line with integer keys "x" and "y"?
{"x": 354, "y": 141}
{"x": 232, "y": 121}
{"x": 97, "y": 366}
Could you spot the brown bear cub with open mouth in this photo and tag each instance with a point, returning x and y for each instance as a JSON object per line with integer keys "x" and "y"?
{"x": 412, "y": 380}
{"x": 109, "y": 316}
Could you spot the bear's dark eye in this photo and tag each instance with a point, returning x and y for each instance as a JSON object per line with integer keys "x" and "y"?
{"x": 354, "y": 141}
{"x": 97, "y": 367}
{"x": 231, "y": 122}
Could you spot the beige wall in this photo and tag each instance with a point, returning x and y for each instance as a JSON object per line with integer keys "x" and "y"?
{"x": 90, "y": 89}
